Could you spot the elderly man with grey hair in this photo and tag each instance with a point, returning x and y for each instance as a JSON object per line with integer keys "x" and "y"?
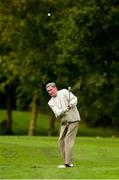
{"x": 64, "y": 106}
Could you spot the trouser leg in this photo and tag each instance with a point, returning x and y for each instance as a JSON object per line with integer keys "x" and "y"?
{"x": 69, "y": 141}
{"x": 63, "y": 131}
{"x": 66, "y": 140}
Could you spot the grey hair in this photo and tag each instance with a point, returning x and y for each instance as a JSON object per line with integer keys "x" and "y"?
{"x": 50, "y": 84}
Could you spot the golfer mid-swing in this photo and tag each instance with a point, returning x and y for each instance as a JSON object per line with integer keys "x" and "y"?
{"x": 63, "y": 104}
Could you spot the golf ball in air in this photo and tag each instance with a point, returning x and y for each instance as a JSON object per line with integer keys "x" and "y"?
{"x": 49, "y": 14}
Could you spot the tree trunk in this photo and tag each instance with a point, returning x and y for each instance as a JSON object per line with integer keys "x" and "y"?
{"x": 52, "y": 125}
{"x": 34, "y": 113}
{"x": 8, "y": 127}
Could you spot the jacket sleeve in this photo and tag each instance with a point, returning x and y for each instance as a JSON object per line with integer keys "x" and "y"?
{"x": 58, "y": 112}
{"x": 72, "y": 99}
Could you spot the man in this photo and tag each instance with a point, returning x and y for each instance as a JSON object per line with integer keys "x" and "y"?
{"x": 63, "y": 104}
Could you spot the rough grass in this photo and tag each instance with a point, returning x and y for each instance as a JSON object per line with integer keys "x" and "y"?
{"x": 24, "y": 157}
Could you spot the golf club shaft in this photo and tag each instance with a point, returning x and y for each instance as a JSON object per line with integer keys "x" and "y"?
{"x": 69, "y": 89}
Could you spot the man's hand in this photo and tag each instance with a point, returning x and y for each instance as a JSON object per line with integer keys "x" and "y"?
{"x": 67, "y": 109}
{"x": 70, "y": 106}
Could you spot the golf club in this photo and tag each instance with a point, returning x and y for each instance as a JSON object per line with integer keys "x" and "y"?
{"x": 69, "y": 89}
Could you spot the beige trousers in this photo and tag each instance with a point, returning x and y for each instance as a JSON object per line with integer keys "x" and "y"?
{"x": 67, "y": 137}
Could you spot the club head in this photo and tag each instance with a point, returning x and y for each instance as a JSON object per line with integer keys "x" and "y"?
{"x": 69, "y": 88}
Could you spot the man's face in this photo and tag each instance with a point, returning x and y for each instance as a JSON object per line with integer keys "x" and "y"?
{"x": 52, "y": 91}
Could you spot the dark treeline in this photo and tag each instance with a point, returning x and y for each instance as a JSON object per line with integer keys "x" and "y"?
{"x": 74, "y": 43}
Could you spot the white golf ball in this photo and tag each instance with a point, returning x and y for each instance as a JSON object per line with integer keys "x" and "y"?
{"x": 49, "y": 14}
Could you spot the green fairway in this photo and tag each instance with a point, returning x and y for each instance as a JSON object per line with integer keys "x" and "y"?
{"x": 37, "y": 158}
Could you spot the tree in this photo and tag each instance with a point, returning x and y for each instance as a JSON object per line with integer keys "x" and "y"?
{"x": 87, "y": 56}
{"x": 77, "y": 45}
{"x": 8, "y": 71}
{"x": 34, "y": 40}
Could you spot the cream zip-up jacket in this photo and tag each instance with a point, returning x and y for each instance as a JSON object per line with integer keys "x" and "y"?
{"x": 60, "y": 103}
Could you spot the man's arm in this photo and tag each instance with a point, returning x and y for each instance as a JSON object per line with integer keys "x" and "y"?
{"x": 58, "y": 112}
{"x": 73, "y": 98}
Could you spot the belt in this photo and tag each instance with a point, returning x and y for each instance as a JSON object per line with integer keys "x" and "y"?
{"x": 63, "y": 123}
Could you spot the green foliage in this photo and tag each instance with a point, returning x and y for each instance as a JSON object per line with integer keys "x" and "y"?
{"x": 78, "y": 45}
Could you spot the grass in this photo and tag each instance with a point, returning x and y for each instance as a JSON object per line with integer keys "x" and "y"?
{"x": 21, "y": 123}
{"x": 25, "y": 157}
